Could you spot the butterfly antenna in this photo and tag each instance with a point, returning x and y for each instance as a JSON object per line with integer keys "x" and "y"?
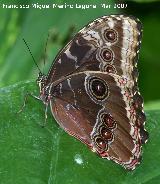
{"x": 45, "y": 50}
{"x": 31, "y": 55}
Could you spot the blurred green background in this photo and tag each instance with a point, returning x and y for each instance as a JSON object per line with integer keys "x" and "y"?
{"x": 28, "y": 153}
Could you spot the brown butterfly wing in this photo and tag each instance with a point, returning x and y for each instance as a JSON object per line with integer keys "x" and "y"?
{"x": 108, "y": 46}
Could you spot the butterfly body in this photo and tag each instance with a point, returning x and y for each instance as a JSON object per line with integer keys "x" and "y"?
{"x": 93, "y": 92}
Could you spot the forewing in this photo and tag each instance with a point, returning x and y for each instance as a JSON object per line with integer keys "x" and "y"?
{"x": 108, "y": 44}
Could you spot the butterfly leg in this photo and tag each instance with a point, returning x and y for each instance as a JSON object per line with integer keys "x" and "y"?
{"x": 25, "y": 100}
{"x": 45, "y": 120}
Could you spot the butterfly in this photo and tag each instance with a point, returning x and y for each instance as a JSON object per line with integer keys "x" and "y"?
{"x": 93, "y": 92}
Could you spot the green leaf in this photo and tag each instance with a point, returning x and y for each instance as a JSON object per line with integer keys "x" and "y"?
{"x": 32, "y": 154}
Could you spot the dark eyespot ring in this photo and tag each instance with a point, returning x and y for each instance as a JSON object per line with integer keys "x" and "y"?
{"x": 106, "y": 55}
{"x": 108, "y": 121}
{"x": 101, "y": 143}
{"x": 106, "y": 134}
{"x": 110, "y": 69}
{"x": 110, "y": 35}
{"x": 98, "y": 88}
